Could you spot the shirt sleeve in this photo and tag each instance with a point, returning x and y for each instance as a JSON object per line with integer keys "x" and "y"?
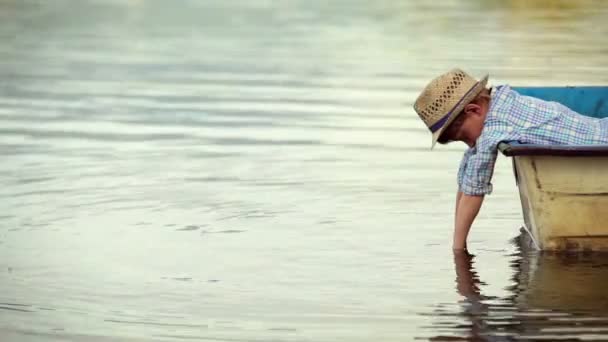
{"x": 477, "y": 174}
{"x": 463, "y": 166}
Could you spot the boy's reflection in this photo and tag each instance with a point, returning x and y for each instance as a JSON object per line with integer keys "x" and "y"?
{"x": 467, "y": 280}
{"x": 478, "y": 326}
{"x": 468, "y": 285}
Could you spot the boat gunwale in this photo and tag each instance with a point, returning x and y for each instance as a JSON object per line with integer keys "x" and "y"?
{"x": 513, "y": 149}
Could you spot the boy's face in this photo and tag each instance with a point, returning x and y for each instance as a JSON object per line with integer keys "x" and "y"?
{"x": 472, "y": 124}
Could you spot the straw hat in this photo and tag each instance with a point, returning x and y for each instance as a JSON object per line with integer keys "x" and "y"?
{"x": 444, "y": 98}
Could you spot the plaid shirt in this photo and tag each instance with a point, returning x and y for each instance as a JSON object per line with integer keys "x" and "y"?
{"x": 513, "y": 117}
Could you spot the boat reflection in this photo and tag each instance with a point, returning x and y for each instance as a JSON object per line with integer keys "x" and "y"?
{"x": 553, "y": 297}
{"x": 563, "y": 282}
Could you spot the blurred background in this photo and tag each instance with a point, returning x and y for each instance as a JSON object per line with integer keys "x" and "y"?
{"x": 254, "y": 171}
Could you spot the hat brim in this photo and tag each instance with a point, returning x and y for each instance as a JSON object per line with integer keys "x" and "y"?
{"x": 470, "y": 96}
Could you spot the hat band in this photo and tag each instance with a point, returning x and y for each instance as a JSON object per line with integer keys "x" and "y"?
{"x": 437, "y": 125}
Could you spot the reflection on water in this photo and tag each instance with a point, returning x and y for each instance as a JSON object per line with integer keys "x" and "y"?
{"x": 553, "y": 297}
{"x": 254, "y": 171}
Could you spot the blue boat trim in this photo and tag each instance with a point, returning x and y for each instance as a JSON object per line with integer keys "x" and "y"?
{"x": 587, "y": 100}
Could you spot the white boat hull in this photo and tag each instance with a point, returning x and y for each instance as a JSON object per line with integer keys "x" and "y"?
{"x": 564, "y": 201}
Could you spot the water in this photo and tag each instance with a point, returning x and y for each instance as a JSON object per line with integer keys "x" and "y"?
{"x": 253, "y": 171}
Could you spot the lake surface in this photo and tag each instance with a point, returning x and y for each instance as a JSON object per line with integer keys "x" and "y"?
{"x": 254, "y": 171}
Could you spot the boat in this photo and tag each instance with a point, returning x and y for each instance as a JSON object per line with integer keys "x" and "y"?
{"x": 564, "y": 189}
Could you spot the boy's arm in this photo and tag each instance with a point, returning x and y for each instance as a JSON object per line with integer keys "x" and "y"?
{"x": 473, "y": 183}
{"x": 467, "y": 207}
{"x": 458, "y": 196}
{"x": 461, "y": 171}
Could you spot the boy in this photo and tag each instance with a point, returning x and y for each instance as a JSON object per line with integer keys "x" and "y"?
{"x": 456, "y": 107}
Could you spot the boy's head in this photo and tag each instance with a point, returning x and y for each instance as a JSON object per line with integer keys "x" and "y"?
{"x": 454, "y": 106}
